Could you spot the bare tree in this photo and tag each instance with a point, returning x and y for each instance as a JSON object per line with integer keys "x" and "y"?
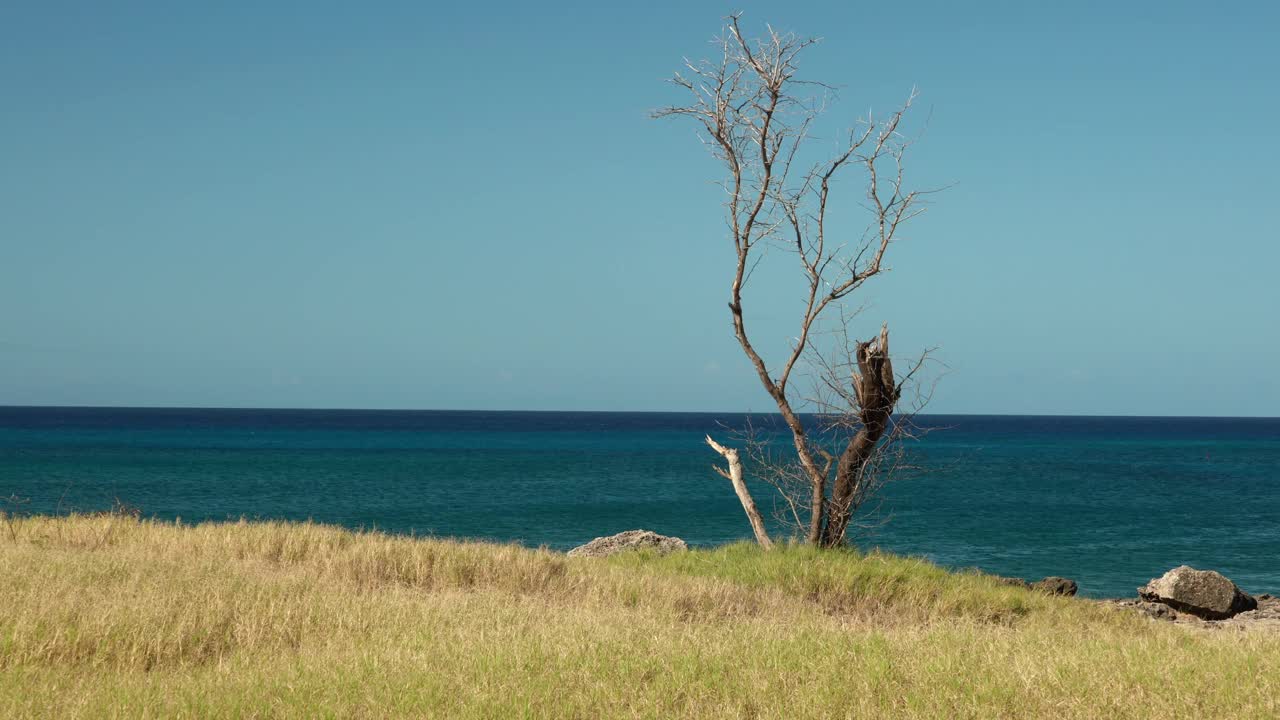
{"x": 755, "y": 116}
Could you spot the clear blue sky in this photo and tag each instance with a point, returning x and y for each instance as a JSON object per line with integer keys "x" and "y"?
{"x": 422, "y": 205}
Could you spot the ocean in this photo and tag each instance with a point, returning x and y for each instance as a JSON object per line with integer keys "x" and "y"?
{"x": 1107, "y": 501}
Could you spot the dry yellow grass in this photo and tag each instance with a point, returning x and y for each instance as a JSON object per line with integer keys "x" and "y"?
{"x": 111, "y": 617}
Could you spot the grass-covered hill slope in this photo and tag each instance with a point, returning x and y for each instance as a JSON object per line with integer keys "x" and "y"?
{"x": 111, "y": 617}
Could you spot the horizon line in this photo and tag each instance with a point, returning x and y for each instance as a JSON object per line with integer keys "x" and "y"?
{"x": 601, "y": 412}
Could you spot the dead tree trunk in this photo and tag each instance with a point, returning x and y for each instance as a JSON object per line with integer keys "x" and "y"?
{"x": 734, "y": 475}
{"x": 877, "y": 393}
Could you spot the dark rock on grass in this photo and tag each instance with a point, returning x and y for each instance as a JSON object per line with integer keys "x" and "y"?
{"x": 1052, "y": 585}
{"x": 629, "y": 540}
{"x": 1156, "y": 611}
{"x": 1203, "y": 593}
{"x": 1264, "y": 619}
{"x": 1159, "y": 611}
{"x": 1266, "y": 615}
{"x": 1056, "y": 586}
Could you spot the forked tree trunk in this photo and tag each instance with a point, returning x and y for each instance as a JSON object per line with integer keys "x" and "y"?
{"x": 877, "y": 393}
{"x": 734, "y": 475}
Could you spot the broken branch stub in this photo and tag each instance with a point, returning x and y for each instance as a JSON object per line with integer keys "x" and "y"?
{"x": 734, "y": 475}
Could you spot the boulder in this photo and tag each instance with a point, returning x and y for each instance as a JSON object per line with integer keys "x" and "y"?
{"x": 629, "y": 540}
{"x": 1203, "y": 593}
{"x": 1056, "y": 586}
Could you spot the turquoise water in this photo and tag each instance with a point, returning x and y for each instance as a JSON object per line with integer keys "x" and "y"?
{"x": 1110, "y": 502}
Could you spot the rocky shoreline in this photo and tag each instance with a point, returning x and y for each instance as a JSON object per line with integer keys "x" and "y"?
{"x": 1202, "y": 599}
{"x": 1186, "y": 596}
{"x": 1266, "y": 616}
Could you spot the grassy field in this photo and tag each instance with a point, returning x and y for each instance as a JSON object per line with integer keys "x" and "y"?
{"x": 112, "y": 617}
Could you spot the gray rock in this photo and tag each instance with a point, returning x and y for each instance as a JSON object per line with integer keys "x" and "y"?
{"x": 1156, "y": 610}
{"x": 1051, "y": 585}
{"x": 629, "y": 540}
{"x": 1203, "y": 593}
{"x": 1056, "y": 586}
{"x": 1016, "y": 582}
{"x": 1266, "y": 616}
